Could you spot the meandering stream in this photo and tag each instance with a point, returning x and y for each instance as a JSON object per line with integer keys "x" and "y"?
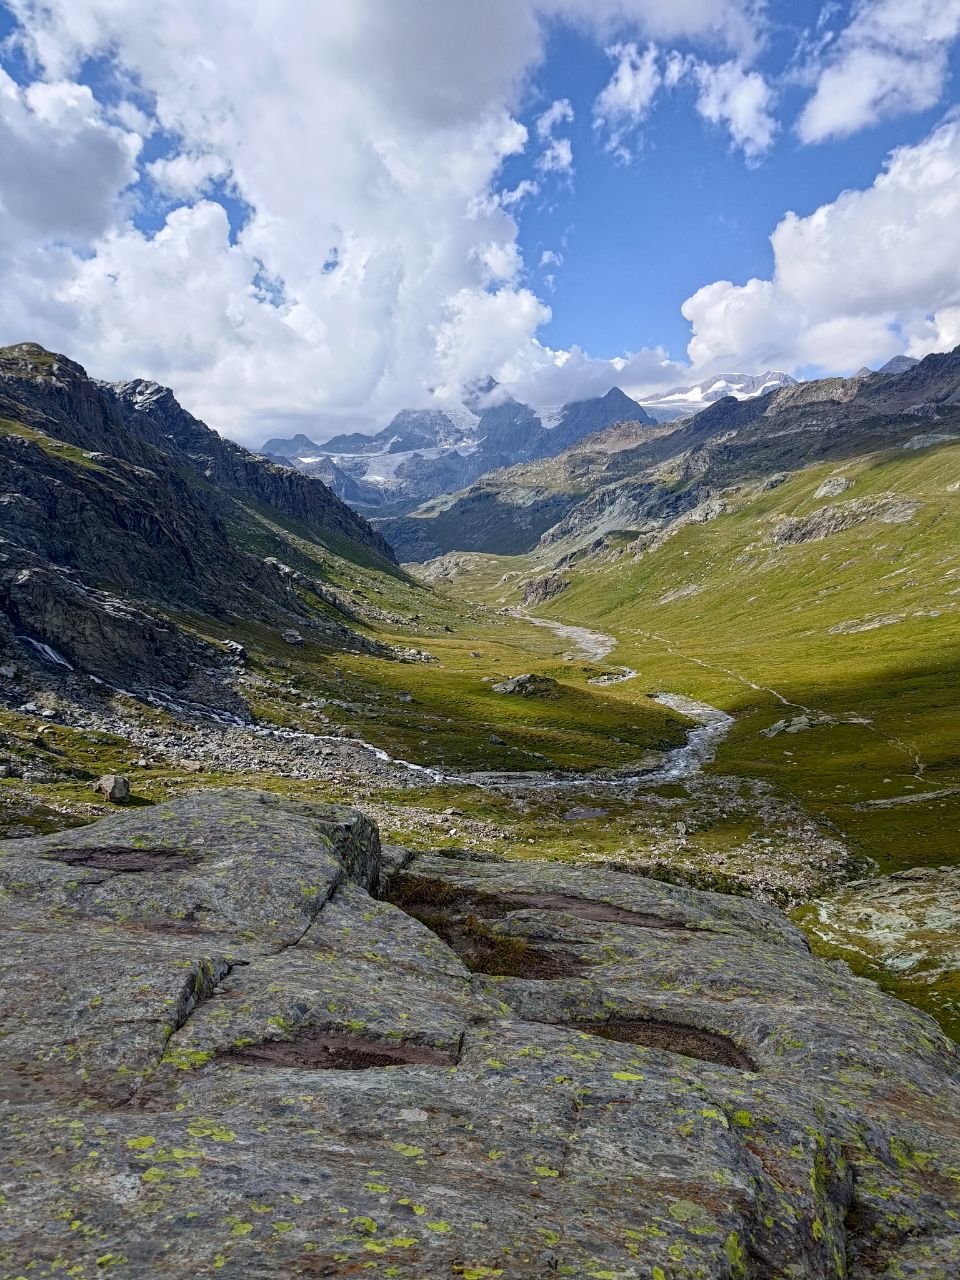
{"x": 592, "y": 644}
{"x": 660, "y": 767}
{"x": 674, "y": 765}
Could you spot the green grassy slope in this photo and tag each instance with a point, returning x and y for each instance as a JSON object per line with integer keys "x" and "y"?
{"x": 864, "y": 622}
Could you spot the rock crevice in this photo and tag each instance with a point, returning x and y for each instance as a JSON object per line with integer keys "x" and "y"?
{"x": 213, "y": 1075}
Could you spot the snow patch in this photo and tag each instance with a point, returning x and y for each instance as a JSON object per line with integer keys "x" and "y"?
{"x": 46, "y": 652}
{"x": 550, "y": 415}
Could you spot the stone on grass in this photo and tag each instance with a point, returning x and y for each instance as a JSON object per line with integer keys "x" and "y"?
{"x": 114, "y": 787}
{"x": 528, "y": 686}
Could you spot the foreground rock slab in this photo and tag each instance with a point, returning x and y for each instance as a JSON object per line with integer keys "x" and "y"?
{"x": 241, "y": 1040}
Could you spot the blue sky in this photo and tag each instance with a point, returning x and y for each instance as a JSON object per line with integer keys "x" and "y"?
{"x": 309, "y": 215}
{"x": 640, "y": 238}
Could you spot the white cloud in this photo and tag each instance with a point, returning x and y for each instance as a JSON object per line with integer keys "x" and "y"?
{"x": 937, "y": 332}
{"x": 675, "y": 67}
{"x": 186, "y": 176}
{"x": 550, "y": 258}
{"x": 733, "y": 24}
{"x": 739, "y": 99}
{"x": 891, "y": 59}
{"x": 484, "y": 331}
{"x": 522, "y": 191}
{"x": 540, "y": 375}
{"x": 359, "y": 136}
{"x": 367, "y": 139}
{"x": 561, "y": 112}
{"x": 62, "y": 166}
{"x": 501, "y": 262}
{"x": 557, "y": 157}
{"x": 853, "y": 282}
{"x": 728, "y": 94}
{"x": 626, "y": 100}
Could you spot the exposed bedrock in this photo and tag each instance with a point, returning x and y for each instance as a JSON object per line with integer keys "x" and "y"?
{"x": 222, "y": 1054}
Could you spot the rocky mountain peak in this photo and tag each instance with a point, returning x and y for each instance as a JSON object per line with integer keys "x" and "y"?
{"x": 30, "y": 360}
{"x": 899, "y": 364}
{"x": 141, "y": 391}
{"x": 425, "y": 452}
{"x": 292, "y": 447}
{"x": 476, "y": 393}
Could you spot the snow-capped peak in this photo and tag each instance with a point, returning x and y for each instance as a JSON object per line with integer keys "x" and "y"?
{"x": 742, "y": 386}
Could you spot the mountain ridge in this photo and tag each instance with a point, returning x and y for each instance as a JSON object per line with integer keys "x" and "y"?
{"x": 121, "y": 512}
{"x": 655, "y": 474}
{"x": 680, "y": 402}
{"x": 423, "y": 453}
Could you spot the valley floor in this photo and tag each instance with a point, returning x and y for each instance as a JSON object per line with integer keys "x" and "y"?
{"x": 669, "y": 795}
{"x": 728, "y": 711}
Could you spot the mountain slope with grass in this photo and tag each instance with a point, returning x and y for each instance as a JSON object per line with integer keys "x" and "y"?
{"x": 121, "y": 515}
{"x": 743, "y": 632}
{"x": 636, "y": 479}
{"x": 822, "y": 612}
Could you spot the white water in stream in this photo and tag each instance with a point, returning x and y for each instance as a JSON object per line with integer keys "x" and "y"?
{"x": 674, "y": 765}
{"x": 669, "y": 766}
{"x": 592, "y": 644}
{"x": 666, "y": 766}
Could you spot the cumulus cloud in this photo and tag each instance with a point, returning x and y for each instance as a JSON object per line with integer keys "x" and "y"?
{"x": 540, "y": 375}
{"x": 890, "y": 60}
{"x": 329, "y": 234}
{"x": 366, "y": 143}
{"x": 734, "y": 24}
{"x": 186, "y": 176}
{"x": 63, "y": 167}
{"x": 856, "y": 281}
{"x": 739, "y": 99}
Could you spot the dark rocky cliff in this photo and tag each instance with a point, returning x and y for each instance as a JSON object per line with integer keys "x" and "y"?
{"x": 120, "y": 512}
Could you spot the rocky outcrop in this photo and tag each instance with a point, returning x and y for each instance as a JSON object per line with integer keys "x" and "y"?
{"x": 117, "y": 506}
{"x": 542, "y": 589}
{"x": 903, "y": 928}
{"x": 222, "y": 1054}
{"x": 838, "y": 517}
{"x": 528, "y": 686}
{"x": 55, "y": 613}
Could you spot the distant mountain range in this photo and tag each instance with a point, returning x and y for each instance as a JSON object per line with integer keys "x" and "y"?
{"x": 683, "y": 401}
{"x": 426, "y": 452}
{"x": 633, "y": 479}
